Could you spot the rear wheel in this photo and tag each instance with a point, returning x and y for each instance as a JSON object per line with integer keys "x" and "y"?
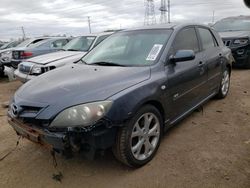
{"x": 225, "y": 84}
{"x": 138, "y": 141}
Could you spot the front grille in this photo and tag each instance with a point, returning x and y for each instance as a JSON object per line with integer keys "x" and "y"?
{"x": 227, "y": 42}
{"x": 24, "y": 68}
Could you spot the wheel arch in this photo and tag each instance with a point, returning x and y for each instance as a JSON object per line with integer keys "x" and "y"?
{"x": 156, "y": 104}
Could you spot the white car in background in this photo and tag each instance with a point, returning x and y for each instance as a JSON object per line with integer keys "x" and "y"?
{"x": 71, "y": 53}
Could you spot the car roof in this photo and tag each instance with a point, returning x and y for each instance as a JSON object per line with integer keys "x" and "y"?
{"x": 241, "y": 17}
{"x": 167, "y": 26}
{"x": 97, "y": 34}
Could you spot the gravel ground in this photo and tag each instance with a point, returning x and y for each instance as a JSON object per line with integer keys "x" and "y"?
{"x": 209, "y": 149}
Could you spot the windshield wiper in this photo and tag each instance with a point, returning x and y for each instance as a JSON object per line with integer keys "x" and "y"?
{"x": 72, "y": 50}
{"x": 106, "y": 63}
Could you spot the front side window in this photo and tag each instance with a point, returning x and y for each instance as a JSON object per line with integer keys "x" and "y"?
{"x": 130, "y": 48}
{"x": 186, "y": 39}
{"x": 207, "y": 39}
{"x": 80, "y": 43}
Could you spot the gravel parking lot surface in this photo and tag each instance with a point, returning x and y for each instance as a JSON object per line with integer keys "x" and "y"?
{"x": 209, "y": 149}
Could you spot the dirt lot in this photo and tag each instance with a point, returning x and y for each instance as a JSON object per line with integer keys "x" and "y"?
{"x": 205, "y": 150}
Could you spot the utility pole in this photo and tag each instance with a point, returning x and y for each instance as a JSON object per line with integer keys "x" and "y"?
{"x": 163, "y": 9}
{"x": 168, "y": 11}
{"x": 149, "y": 18}
{"x": 24, "y": 36}
{"x": 89, "y": 24}
{"x": 213, "y": 17}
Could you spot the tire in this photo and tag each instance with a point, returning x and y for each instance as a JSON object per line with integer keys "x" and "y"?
{"x": 247, "y": 65}
{"x": 225, "y": 84}
{"x": 137, "y": 149}
{"x": 1, "y": 71}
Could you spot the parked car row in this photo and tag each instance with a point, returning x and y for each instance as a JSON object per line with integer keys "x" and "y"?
{"x": 70, "y": 53}
{"x": 123, "y": 93}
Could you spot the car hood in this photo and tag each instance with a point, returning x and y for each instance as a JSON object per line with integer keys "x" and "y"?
{"x": 56, "y": 56}
{"x": 77, "y": 84}
{"x": 5, "y": 50}
{"x": 234, "y": 34}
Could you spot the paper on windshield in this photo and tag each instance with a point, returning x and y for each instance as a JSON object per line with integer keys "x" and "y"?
{"x": 153, "y": 54}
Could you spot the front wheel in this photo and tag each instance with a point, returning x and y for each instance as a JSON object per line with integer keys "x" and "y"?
{"x": 138, "y": 141}
{"x": 225, "y": 84}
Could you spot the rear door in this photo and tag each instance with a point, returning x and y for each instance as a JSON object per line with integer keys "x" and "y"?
{"x": 213, "y": 57}
{"x": 187, "y": 79}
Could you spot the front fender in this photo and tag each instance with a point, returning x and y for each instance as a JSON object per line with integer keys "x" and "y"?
{"x": 128, "y": 102}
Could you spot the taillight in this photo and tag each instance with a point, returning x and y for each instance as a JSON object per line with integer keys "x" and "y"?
{"x": 25, "y": 54}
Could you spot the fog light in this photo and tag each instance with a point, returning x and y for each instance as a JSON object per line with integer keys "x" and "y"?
{"x": 240, "y": 52}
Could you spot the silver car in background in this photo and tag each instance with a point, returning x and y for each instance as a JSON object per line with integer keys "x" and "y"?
{"x": 42, "y": 47}
{"x": 70, "y": 53}
{"x": 6, "y": 54}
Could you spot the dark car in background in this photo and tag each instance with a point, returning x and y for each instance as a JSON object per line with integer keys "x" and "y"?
{"x": 42, "y": 47}
{"x": 235, "y": 33}
{"x": 70, "y": 53}
{"x": 125, "y": 92}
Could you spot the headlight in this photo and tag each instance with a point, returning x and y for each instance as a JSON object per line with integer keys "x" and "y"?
{"x": 82, "y": 115}
{"x": 36, "y": 70}
{"x": 6, "y": 53}
{"x": 241, "y": 41}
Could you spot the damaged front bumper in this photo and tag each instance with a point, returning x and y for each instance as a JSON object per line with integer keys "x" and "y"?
{"x": 67, "y": 142}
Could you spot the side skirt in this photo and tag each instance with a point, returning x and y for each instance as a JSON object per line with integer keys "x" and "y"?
{"x": 169, "y": 124}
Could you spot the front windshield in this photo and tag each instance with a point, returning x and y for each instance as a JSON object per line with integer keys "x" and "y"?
{"x": 130, "y": 48}
{"x": 80, "y": 44}
{"x": 232, "y": 25}
{"x": 4, "y": 46}
{"x": 10, "y": 45}
{"x": 24, "y": 43}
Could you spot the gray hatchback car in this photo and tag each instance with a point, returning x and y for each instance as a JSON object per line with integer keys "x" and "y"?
{"x": 125, "y": 92}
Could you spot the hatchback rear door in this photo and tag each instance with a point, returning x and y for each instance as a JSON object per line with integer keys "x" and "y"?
{"x": 213, "y": 57}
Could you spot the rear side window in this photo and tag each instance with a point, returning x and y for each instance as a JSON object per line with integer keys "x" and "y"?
{"x": 207, "y": 39}
{"x": 186, "y": 39}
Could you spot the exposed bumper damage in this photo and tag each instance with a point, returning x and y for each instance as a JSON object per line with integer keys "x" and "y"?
{"x": 68, "y": 142}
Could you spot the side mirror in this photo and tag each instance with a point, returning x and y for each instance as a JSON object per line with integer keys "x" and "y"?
{"x": 182, "y": 55}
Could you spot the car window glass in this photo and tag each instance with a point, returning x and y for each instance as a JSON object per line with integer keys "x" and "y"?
{"x": 59, "y": 43}
{"x": 186, "y": 39}
{"x": 207, "y": 39}
{"x": 131, "y": 48}
{"x": 100, "y": 39}
{"x": 80, "y": 43}
{"x": 35, "y": 42}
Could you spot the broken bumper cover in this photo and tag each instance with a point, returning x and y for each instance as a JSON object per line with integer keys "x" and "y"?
{"x": 23, "y": 77}
{"x": 48, "y": 139}
{"x": 99, "y": 138}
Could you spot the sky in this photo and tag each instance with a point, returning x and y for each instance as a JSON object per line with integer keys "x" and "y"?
{"x": 70, "y": 17}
